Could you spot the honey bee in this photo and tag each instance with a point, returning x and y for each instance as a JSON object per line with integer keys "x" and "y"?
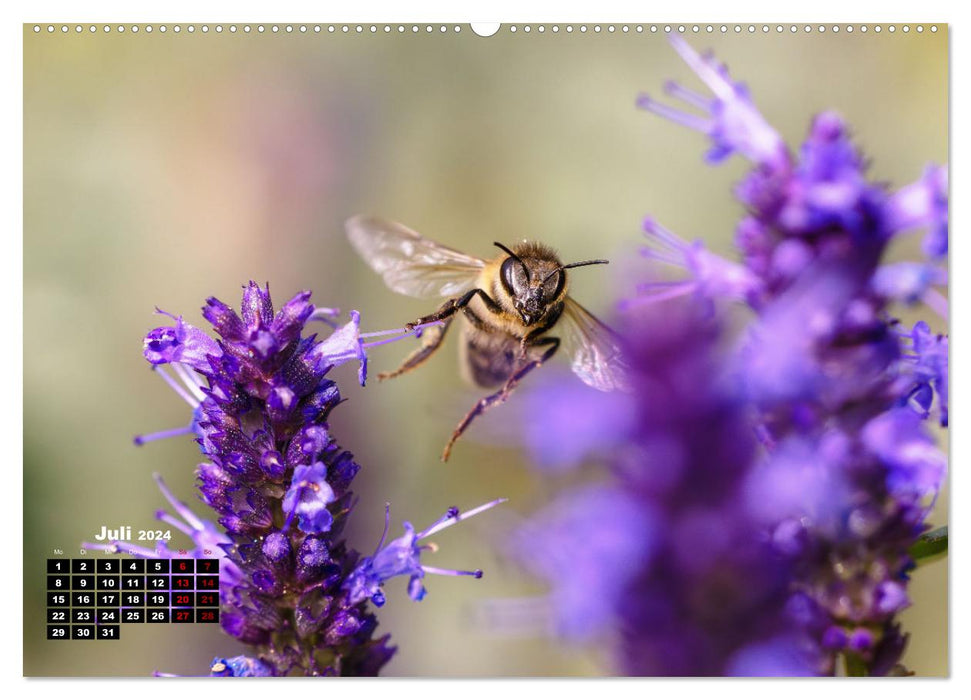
{"x": 509, "y": 304}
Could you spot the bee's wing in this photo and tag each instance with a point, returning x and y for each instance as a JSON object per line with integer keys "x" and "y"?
{"x": 595, "y": 354}
{"x": 411, "y": 264}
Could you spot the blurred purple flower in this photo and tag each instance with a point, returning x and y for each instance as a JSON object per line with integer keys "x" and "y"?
{"x": 779, "y": 480}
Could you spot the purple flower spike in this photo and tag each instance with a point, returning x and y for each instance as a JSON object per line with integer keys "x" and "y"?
{"x": 280, "y": 485}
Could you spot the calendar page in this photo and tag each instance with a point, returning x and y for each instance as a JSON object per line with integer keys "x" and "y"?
{"x": 542, "y": 349}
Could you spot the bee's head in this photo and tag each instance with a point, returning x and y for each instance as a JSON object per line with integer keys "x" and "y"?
{"x": 535, "y": 283}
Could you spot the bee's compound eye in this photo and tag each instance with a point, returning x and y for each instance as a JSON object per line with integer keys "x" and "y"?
{"x": 509, "y": 269}
{"x": 551, "y": 287}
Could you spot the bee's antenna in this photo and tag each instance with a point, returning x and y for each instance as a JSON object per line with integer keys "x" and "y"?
{"x": 576, "y": 264}
{"x": 514, "y": 257}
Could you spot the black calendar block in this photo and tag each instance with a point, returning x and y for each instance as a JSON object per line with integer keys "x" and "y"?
{"x": 157, "y": 583}
{"x": 158, "y": 615}
{"x": 58, "y": 583}
{"x": 82, "y": 616}
{"x": 58, "y": 631}
{"x": 108, "y": 599}
{"x": 58, "y": 566}
{"x": 157, "y": 566}
{"x": 133, "y": 566}
{"x": 207, "y": 599}
{"x": 58, "y": 616}
{"x": 82, "y": 632}
{"x": 82, "y": 566}
{"x": 82, "y": 583}
{"x": 109, "y": 632}
{"x": 132, "y": 583}
{"x": 182, "y": 615}
{"x": 207, "y": 583}
{"x": 80, "y": 599}
{"x": 207, "y": 615}
{"x": 183, "y": 566}
{"x": 158, "y": 600}
{"x": 92, "y": 598}
{"x": 108, "y": 583}
{"x": 57, "y": 599}
{"x": 207, "y": 566}
{"x": 109, "y": 616}
{"x": 108, "y": 566}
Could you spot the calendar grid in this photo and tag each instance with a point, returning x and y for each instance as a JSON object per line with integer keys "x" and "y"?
{"x": 92, "y": 598}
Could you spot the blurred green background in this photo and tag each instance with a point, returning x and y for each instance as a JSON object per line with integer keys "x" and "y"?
{"x": 160, "y": 169}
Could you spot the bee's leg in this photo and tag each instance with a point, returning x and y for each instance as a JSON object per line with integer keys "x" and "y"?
{"x": 431, "y": 340}
{"x": 484, "y": 404}
{"x": 451, "y": 306}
